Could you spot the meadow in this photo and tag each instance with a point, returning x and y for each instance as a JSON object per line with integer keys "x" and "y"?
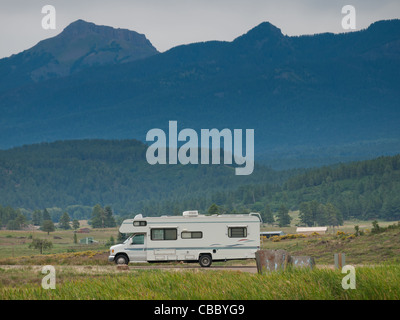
{"x": 83, "y": 272}
{"x": 372, "y": 283}
{"x": 15, "y": 243}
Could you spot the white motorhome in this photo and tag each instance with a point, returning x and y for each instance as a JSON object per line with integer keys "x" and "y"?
{"x": 190, "y": 237}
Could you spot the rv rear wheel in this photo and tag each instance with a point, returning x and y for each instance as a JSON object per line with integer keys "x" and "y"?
{"x": 205, "y": 260}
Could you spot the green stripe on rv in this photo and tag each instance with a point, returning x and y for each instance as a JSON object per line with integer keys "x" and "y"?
{"x": 189, "y": 248}
{"x": 174, "y": 222}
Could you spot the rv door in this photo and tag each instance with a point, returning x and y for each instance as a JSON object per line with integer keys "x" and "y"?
{"x": 136, "y": 248}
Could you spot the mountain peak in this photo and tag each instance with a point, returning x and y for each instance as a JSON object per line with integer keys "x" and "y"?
{"x": 264, "y": 30}
{"x": 78, "y": 25}
{"x": 79, "y": 22}
{"x": 81, "y": 45}
{"x": 81, "y": 28}
{"x": 261, "y": 39}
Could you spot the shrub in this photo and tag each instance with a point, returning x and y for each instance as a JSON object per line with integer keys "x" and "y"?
{"x": 287, "y": 236}
{"x": 41, "y": 244}
{"x": 375, "y": 227}
{"x": 349, "y": 237}
{"x": 275, "y": 238}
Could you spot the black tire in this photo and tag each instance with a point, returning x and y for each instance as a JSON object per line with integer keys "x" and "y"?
{"x": 205, "y": 260}
{"x": 121, "y": 259}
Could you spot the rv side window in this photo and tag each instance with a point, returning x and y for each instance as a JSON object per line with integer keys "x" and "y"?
{"x": 138, "y": 239}
{"x": 164, "y": 234}
{"x": 139, "y": 223}
{"x": 237, "y": 232}
{"x": 192, "y": 235}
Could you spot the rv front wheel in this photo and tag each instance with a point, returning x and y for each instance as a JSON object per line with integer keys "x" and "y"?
{"x": 121, "y": 259}
{"x": 205, "y": 260}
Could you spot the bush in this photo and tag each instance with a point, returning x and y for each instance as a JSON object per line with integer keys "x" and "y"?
{"x": 287, "y": 236}
{"x": 41, "y": 244}
{"x": 341, "y": 235}
{"x": 375, "y": 227}
{"x": 349, "y": 237}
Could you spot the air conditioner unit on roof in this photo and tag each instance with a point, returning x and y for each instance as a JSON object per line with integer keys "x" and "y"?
{"x": 193, "y": 213}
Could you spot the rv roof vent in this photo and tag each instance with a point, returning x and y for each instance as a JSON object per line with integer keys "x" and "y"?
{"x": 193, "y": 213}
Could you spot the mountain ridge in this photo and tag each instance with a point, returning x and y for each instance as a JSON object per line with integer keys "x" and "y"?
{"x": 80, "y": 45}
{"x": 321, "y": 91}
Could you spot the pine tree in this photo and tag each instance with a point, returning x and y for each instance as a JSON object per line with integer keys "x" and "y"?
{"x": 46, "y": 215}
{"x": 213, "y": 209}
{"x": 283, "y": 216}
{"x": 37, "y": 217}
{"x": 75, "y": 224}
{"x": 331, "y": 214}
{"x": 267, "y": 215}
{"x": 305, "y": 214}
{"x": 97, "y": 217}
{"x": 47, "y": 226}
{"x": 64, "y": 221}
{"x": 20, "y": 220}
{"x": 109, "y": 220}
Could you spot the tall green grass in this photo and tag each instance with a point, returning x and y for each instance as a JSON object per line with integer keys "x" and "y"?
{"x": 372, "y": 283}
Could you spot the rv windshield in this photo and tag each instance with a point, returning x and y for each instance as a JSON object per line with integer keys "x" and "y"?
{"x": 135, "y": 239}
{"x": 128, "y": 239}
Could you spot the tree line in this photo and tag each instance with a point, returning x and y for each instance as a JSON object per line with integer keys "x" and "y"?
{"x": 73, "y": 176}
{"x": 365, "y": 190}
{"x": 13, "y": 219}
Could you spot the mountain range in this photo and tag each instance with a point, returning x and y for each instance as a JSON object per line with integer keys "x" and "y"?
{"x": 311, "y": 99}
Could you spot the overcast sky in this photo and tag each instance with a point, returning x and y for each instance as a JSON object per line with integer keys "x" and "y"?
{"x": 167, "y": 23}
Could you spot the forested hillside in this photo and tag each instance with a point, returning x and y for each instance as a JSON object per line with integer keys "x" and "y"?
{"x": 363, "y": 190}
{"x": 74, "y": 176}
{"x": 83, "y": 173}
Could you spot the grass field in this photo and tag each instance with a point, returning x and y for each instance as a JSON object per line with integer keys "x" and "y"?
{"x": 83, "y": 272}
{"x": 318, "y": 284}
{"x": 16, "y": 243}
{"x": 368, "y": 249}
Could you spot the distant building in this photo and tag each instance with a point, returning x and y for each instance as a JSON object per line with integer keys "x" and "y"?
{"x": 83, "y": 230}
{"x": 311, "y": 230}
{"x": 269, "y": 234}
{"x": 88, "y": 240}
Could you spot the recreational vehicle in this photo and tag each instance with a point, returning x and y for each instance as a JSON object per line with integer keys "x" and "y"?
{"x": 190, "y": 237}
